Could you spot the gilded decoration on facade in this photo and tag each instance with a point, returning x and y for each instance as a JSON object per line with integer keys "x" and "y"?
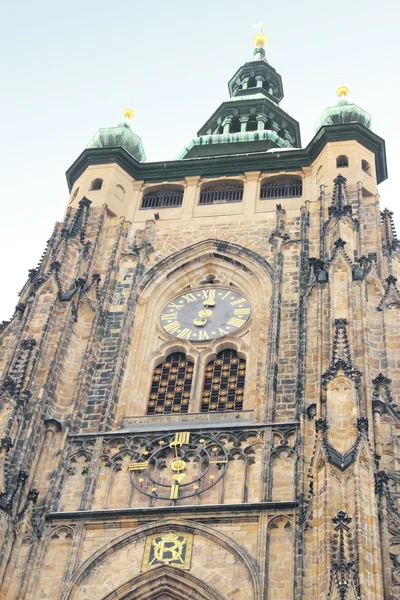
{"x": 172, "y": 549}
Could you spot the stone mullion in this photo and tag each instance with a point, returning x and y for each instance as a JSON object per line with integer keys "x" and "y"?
{"x": 262, "y": 550}
{"x": 125, "y": 332}
{"x": 96, "y": 246}
{"x": 36, "y": 570}
{"x": 90, "y": 482}
{"x": 322, "y": 250}
{"x": 273, "y": 347}
{"x": 74, "y": 554}
{"x": 360, "y": 549}
{"x": 366, "y": 401}
{"x": 52, "y": 499}
{"x": 267, "y": 466}
{"x": 84, "y": 377}
{"x": 384, "y": 538}
{"x": 28, "y": 570}
{"x": 15, "y": 546}
{"x": 123, "y": 346}
{"x": 27, "y": 453}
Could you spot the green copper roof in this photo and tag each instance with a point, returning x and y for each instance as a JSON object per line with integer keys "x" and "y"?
{"x": 344, "y": 112}
{"x": 122, "y": 136}
{"x": 243, "y": 142}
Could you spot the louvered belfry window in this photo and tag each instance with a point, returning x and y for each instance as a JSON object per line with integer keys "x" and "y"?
{"x": 224, "y": 383}
{"x": 171, "y": 385}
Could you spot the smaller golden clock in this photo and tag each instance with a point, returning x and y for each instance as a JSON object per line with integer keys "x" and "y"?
{"x": 205, "y": 314}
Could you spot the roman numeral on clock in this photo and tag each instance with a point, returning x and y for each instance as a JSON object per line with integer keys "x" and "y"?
{"x": 238, "y": 301}
{"x": 185, "y": 333}
{"x": 235, "y": 322}
{"x": 172, "y": 327}
{"x": 242, "y": 311}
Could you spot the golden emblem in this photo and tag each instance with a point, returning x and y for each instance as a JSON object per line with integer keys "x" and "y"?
{"x": 168, "y": 549}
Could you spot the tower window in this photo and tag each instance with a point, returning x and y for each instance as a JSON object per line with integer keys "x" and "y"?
{"x": 251, "y": 124}
{"x": 282, "y": 188}
{"x": 252, "y": 82}
{"x": 235, "y": 125}
{"x": 171, "y": 385}
{"x": 366, "y": 167}
{"x": 342, "y": 161}
{"x": 119, "y": 192}
{"x": 224, "y": 383}
{"x": 96, "y": 185}
{"x": 168, "y": 198}
{"x": 220, "y": 195}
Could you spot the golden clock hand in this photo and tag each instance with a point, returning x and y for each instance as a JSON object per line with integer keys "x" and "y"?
{"x": 209, "y": 302}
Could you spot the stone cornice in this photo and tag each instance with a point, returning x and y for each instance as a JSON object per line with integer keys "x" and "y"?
{"x": 230, "y": 165}
{"x": 117, "y": 513}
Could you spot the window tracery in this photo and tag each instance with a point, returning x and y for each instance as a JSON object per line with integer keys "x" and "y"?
{"x": 171, "y": 386}
{"x": 224, "y": 383}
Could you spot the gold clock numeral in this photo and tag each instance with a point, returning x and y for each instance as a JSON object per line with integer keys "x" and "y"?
{"x": 208, "y": 293}
{"x": 174, "y": 492}
{"x": 139, "y": 466}
{"x": 172, "y": 327}
{"x": 203, "y": 335}
{"x": 170, "y": 317}
{"x": 189, "y": 298}
{"x": 238, "y": 301}
{"x": 173, "y": 305}
{"x": 226, "y": 295}
{"x": 222, "y": 331}
{"x": 235, "y": 322}
{"x": 242, "y": 311}
{"x": 181, "y": 437}
{"x": 185, "y": 334}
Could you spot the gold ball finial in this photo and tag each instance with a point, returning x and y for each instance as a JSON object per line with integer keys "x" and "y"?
{"x": 260, "y": 39}
{"x": 129, "y": 113}
{"x": 343, "y": 91}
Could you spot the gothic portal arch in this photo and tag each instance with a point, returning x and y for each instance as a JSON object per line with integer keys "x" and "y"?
{"x": 94, "y": 572}
{"x": 227, "y": 265}
{"x": 165, "y": 583}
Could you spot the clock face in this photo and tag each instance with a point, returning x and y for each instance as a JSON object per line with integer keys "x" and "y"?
{"x": 205, "y": 314}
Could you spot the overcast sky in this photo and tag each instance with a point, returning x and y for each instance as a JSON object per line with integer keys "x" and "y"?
{"x": 69, "y": 68}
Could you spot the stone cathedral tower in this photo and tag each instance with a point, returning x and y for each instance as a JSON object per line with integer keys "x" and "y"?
{"x": 199, "y": 385}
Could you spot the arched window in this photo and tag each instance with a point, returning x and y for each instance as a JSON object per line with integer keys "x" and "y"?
{"x": 319, "y": 173}
{"x": 119, "y": 192}
{"x": 251, "y": 124}
{"x": 171, "y": 385}
{"x": 224, "y": 383}
{"x": 342, "y": 161}
{"x": 366, "y": 167}
{"x": 220, "y": 193}
{"x": 281, "y": 187}
{"x": 96, "y": 185}
{"x": 162, "y": 197}
{"x": 252, "y": 82}
{"x": 235, "y": 125}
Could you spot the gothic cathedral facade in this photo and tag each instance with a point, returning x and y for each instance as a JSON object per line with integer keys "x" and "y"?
{"x": 199, "y": 384}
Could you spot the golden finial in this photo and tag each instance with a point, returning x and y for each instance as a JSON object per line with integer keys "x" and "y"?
{"x": 343, "y": 91}
{"x": 129, "y": 113}
{"x": 260, "y": 39}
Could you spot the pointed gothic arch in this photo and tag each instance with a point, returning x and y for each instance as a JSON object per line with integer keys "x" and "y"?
{"x": 164, "y": 582}
{"x": 240, "y": 554}
{"x": 231, "y": 265}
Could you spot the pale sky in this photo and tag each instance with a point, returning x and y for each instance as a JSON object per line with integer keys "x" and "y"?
{"x": 70, "y": 68}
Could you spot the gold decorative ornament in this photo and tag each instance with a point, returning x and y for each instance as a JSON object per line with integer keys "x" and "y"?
{"x": 260, "y": 39}
{"x": 343, "y": 91}
{"x": 129, "y": 113}
{"x": 170, "y": 548}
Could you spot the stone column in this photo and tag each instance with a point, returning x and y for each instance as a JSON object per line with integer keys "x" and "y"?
{"x": 243, "y": 123}
{"x": 52, "y": 427}
{"x": 190, "y": 198}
